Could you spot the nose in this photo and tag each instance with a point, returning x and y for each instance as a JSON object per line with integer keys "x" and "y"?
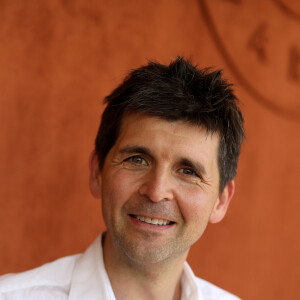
{"x": 157, "y": 186}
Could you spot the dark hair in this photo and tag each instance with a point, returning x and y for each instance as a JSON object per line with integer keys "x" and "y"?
{"x": 179, "y": 91}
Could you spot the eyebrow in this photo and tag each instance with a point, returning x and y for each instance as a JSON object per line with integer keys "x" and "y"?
{"x": 194, "y": 165}
{"x": 135, "y": 149}
{"x": 182, "y": 160}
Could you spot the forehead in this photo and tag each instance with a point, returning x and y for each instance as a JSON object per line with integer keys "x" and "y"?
{"x": 172, "y": 137}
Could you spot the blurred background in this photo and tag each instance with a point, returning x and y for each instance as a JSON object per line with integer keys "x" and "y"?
{"x": 59, "y": 58}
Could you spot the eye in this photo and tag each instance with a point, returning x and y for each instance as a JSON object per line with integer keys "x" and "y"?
{"x": 188, "y": 172}
{"x": 137, "y": 160}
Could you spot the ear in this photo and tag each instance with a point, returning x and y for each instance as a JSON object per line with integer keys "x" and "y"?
{"x": 222, "y": 203}
{"x": 95, "y": 175}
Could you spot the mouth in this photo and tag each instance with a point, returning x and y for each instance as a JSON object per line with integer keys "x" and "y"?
{"x": 152, "y": 221}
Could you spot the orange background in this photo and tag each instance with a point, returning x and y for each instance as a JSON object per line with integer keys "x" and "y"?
{"x": 58, "y": 59}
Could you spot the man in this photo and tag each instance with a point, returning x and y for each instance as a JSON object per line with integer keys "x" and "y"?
{"x": 164, "y": 165}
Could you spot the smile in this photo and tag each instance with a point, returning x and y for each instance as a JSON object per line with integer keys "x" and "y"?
{"x": 153, "y": 221}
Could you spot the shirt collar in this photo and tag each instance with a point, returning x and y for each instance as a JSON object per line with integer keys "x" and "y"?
{"x": 190, "y": 290}
{"x": 90, "y": 280}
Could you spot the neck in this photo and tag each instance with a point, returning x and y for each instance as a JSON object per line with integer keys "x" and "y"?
{"x": 137, "y": 280}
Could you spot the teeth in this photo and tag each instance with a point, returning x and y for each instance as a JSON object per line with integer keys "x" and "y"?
{"x": 148, "y": 220}
{"x": 153, "y": 221}
{"x": 160, "y": 222}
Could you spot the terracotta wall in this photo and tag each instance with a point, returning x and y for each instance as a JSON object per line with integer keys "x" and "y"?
{"x": 58, "y": 59}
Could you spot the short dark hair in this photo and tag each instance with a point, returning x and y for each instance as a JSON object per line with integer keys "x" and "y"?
{"x": 179, "y": 91}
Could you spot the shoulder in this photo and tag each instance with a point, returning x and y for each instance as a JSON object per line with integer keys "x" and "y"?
{"x": 54, "y": 277}
{"x": 202, "y": 289}
{"x": 212, "y": 292}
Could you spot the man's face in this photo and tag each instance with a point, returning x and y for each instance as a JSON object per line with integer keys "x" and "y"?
{"x": 159, "y": 188}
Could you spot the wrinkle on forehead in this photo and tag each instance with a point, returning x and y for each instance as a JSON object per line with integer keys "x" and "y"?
{"x": 175, "y": 127}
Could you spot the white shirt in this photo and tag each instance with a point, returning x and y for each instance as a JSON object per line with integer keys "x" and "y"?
{"x": 83, "y": 276}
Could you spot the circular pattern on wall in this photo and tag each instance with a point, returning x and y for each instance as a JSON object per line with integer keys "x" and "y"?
{"x": 260, "y": 42}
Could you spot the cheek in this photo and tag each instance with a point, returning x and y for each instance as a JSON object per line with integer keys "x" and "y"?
{"x": 118, "y": 188}
{"x": 195, "y": 206}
